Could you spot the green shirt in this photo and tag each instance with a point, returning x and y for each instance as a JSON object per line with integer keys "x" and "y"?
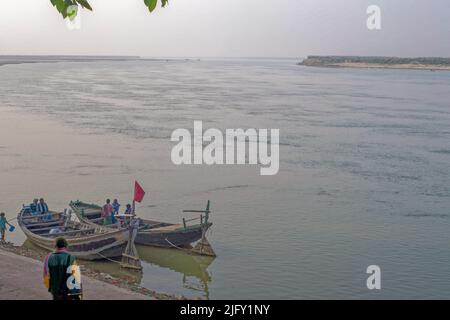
{"x": 57, "y": 267}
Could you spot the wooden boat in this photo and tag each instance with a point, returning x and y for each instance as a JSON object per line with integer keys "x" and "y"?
{"x": 86, "y": 242}
{"x": 153, "y": 233}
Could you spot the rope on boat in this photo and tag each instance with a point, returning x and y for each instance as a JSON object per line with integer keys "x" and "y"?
{"x": 175, "y": 246}
{"x": 104, "y": 257}
{"x": 184, "y": 249}
{"x": 12, "y": 219}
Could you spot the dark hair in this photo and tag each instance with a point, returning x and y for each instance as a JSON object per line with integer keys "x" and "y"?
{"x": 108, "y": 200}
{"x": 61, "y": 243}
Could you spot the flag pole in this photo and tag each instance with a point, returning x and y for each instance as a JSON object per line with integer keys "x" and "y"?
{"x": 139, "y": 194}
{"x": 130, "y": 258}
{"x": 134, "y": 199}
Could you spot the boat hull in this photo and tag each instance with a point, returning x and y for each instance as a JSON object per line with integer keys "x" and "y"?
{"x": 114, "y": 250}
{"x": 102, "y": 243}
{"x": 177, "y": 238}
{"x": 166, "y": 236}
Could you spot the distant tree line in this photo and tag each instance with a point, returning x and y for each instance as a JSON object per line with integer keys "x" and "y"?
{"x": 330, "y": 60}
{"x": 69, "y": 8}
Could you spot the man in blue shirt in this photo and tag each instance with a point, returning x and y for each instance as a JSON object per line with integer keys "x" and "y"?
{"x": 115, "y": 211}
{"x": 3, "y": 223}
{"x": 33, "y": 207}
{"x": 42, "y": 208}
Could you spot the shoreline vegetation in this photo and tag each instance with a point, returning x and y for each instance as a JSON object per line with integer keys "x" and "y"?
{"x": 428, "y": 63}
{"x": 123, "y": 282}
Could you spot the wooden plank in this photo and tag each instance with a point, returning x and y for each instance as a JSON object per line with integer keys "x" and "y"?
{"x": 44, "y": 229}
{"x": 169, "y": 228}
{"x": 43, "y": 224}
{"x": 130, "y": 257}
{"x": 129, "y": 266}
{"x": 91, "y": 213}
{"x": 71, "y": 232}
{"x": 40, "y": 215}
{"x": 150, "y": 226}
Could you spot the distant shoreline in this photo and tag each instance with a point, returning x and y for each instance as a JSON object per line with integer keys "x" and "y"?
{"x": 432, "y": 64}
{"x": 11, "y": 59}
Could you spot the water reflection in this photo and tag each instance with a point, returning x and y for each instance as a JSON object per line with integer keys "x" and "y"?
{"x": 193, "y": 268}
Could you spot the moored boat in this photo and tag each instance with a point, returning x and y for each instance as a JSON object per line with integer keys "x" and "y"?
{"x": 152, "y": 233}
{"x": 86, "y": 242}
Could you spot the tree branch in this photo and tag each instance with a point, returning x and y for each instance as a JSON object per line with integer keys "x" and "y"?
{"x": 69, "y": 8}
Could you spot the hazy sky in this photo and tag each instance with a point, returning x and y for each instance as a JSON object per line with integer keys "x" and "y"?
{"x": 229, "y": 28}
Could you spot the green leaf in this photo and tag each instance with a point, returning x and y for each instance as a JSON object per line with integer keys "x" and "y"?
{"x": 64, "y": 7}
{"x": 151, "y": 4}
{"x": 61, "y": 6}
{"x": 72, "y": 12}
{"x": 85, "y": 4}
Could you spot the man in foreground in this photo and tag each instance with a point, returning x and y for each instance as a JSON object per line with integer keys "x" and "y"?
{"x": 62, "y": 275}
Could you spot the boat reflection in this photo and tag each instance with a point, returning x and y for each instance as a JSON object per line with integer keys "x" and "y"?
{"x": 188, "y": 265}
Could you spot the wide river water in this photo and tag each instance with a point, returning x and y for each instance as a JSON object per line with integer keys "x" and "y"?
{"x": 364, "y": 169}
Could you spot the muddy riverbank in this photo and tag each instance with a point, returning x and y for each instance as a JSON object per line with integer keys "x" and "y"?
{"x": 128, "y": 289}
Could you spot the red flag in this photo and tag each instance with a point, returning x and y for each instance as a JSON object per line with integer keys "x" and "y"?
{"x": 139, "y": 193}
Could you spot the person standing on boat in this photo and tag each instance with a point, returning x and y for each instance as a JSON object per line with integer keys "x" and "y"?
{"x": 62, "y": 275}
{"x": 127, "y": 213}
{"x": 33, "y": 207}
{"x": 42, "y": 208}
{"x": 115, "y": 210}
{"x": 128, "y": 210}
{"x": 3, "y": 223}
{"x": 107, "y": 212}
